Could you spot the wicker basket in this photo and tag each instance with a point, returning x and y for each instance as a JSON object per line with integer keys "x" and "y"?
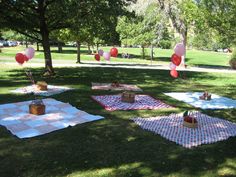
{"x": 128, "y": 97}
{"x": 42, "y": 85}
{"x": 192, "y": 124}
{"x": 37, "y": 109}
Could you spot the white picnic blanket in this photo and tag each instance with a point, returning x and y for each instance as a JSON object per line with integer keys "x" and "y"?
{"x": 52, "y": 90}
{"x": 16, "y": 118}
{"x": 216, "y": 102}
{"x": 209, "y": 130}
{"x": 108, "y": 86}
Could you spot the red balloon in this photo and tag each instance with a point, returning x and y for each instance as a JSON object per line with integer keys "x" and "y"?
{"x": 26, "y": 58}
{"x": 97, "y": 57}
{"x": 174, "y": 73}
{"x": 114, "y": 52}
{"x": 176, "y": 59}
{"x": 20, "y": 58}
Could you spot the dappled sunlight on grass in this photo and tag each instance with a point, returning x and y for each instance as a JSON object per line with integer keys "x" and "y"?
{"x": 115, "y": 146}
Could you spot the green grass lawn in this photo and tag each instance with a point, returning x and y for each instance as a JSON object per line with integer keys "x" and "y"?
{"x": 115, "y": 146}
{"x": 161, "y": 56}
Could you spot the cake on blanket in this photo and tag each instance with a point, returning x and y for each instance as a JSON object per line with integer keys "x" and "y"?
{"x": 205, "y": 96}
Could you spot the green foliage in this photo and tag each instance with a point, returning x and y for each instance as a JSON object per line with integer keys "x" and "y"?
{"x": 221, "y": 15}
{"x": 165, "y": 44}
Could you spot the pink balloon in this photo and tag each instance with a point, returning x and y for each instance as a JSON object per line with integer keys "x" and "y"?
{"x": 29, "y": 52}
{"x": 100, "y": 52}
{"x": 172, "y": 66}
{"x": 107, "y": 56}
{"x": 179, "y": 49}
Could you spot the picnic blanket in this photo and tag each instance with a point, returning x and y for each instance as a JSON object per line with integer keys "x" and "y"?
{"x": 210, "y": 129}
{"x": 113, "y": 102}
{"x": 216, "y": 102}
{"x": 52, "y": 90}
{"x": 108, "y": 86}
{"x": 16, "y": 118}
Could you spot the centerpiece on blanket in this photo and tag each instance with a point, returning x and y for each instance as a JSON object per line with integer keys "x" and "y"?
{"x": 37, "y": 107}
{"x": 128, "y": 97}
{"x": 189, "y": 121}
{"x": 205, "y": 96}
{"x": 42, "y": 85}
{"x": 115, "y": 84}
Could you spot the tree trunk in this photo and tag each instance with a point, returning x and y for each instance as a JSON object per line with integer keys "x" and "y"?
{"x": 78, "y": 52}
{"x": 97, "y": 45}
{"x": 59, "y": 47}
{"x": 184, "y": 36}
{"x": 37, "y": 46}
{"x": 143, "y": 52}
{"x": 45, "y": 39}
{"x": 47, "y": 53}
{"x": 89, "y": 49}
{"x": 26, "y": 43}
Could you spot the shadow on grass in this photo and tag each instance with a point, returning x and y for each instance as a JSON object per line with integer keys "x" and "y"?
{"x": 114, "y": 146}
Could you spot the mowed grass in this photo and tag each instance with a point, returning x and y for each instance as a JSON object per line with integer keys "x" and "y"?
{"x": 115, "y": 146}
{"x": 161, "y": 56}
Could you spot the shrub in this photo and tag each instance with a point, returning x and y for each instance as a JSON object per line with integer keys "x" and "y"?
{"x": 232, "y": 61}
{"x": 165, "y": 44}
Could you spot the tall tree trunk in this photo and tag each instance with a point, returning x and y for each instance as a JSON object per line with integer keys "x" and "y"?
{"x": 97, "y": 45}
{"x": 59, "y": 47}
{"x": 45, "y": 38}
{"x": 37, "y": 46}
{"x": 78, "y": 51}
{"x": 89, "y": 49}
{"x": 184, "y": 37}
{"x": 143, "y": 52}
{"x": 26, "y": 43}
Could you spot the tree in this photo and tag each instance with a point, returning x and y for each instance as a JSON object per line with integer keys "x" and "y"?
{"x": 35, "y": 19}
{"x": 99, "y": 23}
{"x": 220, "y": 15}
{"x": 182, "y": 13}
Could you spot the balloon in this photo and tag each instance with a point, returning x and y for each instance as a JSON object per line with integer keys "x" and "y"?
{"x": 172, "y": 66}
{"x": 26, "y": 58}
{"x": 97, "y": 57}
{"x": 20, "y": 58}
{"x": 174, "y": 73}
{"x": 106, "y": 55}
{"x": 29, "y": 52}
{"x": 100, "y": 52}
{"x": 179, "y": 49}
{"x": 176, "y": 59}
{"x": 114, "y": 52}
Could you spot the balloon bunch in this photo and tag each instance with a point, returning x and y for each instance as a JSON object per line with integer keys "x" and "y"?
{"x": 107, "y": 55}
{"x": 25, "y": 56}
{"x": 176, "y": 59}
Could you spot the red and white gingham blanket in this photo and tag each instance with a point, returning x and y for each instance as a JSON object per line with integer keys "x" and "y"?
{"x": 210, "y": 129}
{"x": 113, "y": 102}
